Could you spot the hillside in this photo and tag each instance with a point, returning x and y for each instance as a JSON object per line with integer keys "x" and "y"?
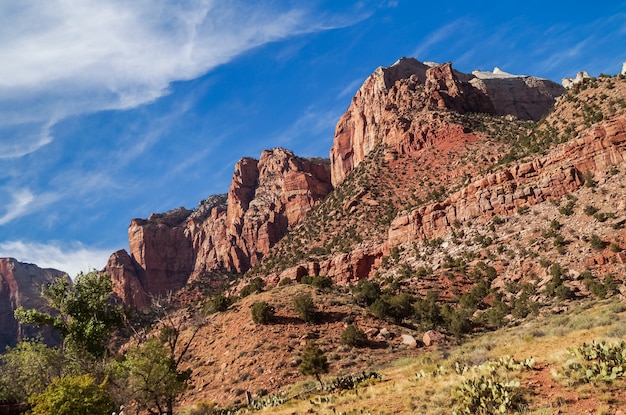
{"x": 455, "y": 223}
{"x": 508, "y": 222}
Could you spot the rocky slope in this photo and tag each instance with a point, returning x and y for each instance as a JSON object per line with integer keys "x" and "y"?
{"x": 378, "y": 112}
{"x": 409, "y": 107}
{"x": 500, "y": 217}
{"x": 464, "y": 168}
{"x": 20, "y": 285}
{"x": 230, "y": 233}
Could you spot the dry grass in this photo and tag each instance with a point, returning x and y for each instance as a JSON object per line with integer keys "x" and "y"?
{"x": 402, "y": 392}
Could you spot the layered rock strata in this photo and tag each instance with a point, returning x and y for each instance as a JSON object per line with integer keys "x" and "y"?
{"x": 20, "y": 286}
{"x": 502, "y": 193}
{"x": 373, "y": 118}
{"x": 229, "y": 232}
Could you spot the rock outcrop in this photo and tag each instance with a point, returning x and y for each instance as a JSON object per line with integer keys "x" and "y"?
{"x": 379, "y": 112}
{"x": 20, "y": 285}
{"x": 570, "y": 82}
{"x": 228, "y": 232}
{"x": 502, "y": 193}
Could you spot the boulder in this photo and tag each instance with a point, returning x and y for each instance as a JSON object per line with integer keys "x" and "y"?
{"x": 409, "y": 340}
{"x": 432, "y": 337}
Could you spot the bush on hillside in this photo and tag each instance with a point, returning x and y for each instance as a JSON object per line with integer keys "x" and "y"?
{"x": 262, "y": 312}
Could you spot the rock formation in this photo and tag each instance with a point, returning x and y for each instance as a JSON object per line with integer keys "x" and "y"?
{"x": 20, "y": 285}
{"x": 228, "y": 232}
{"x": 580, "y": 76}
{"x": 502, "y": 193}
{"x": 377, "y": 113}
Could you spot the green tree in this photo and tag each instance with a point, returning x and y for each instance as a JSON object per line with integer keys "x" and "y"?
{"x": 148, "y": 375}
{"x": 27, "y": 369}
{"x": 365, "y": 292}
{"x": 427, "y": 311}
{"x": 305, "y": 307}
{"x": 262, "y": 312}
{"x": 72, "y": 395}
{"x": 255, "y": 286}
{"x": 313, "y": 361}
{"x": 84, "y": 312}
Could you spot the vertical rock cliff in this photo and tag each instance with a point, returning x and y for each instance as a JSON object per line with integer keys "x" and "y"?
{"x": 380, "y": 111}
{"x": 20, "y": 285}
{"x": 229, "y": 232}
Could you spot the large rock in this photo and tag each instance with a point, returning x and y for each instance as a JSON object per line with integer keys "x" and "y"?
{"x": 526, "y": 184}
{"x": 525, "y": 97}
{"x": 383, "y": 109}
{"x": 228, "y": 232}
{"x": 20, "y": 285}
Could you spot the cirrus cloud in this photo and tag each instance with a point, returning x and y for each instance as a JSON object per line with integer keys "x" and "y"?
{"x": 62, "y": 58}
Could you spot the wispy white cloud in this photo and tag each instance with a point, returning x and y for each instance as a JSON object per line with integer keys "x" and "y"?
{"x": 62, "y": 58}
{"x": 351, "y": 88}
{"x": 18, "y": 206}
{"x": 438, "y": 36}
{"x": 71, "y": 258}
{"x": 22, "y": 202}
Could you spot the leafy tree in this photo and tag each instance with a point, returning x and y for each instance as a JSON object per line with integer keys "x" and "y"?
{"x": 72, "y": 395}
{"x": 397, "y": 307}
{"x": 85, "y": 313}
{"x": 313, "y": 361}
{"x": 305, "y": 307}
{"x": 262, "y": 312}
{"x": 27, "y": 369}
{"x": 149, "y": 376}
{"x": 318, "y": 281}
{"x": 217, "y": 304}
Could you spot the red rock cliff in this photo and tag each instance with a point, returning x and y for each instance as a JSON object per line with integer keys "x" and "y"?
{"x": 233, "y": 232}
{"x": 20, "y": 285}
{"x": 380, "y": 111}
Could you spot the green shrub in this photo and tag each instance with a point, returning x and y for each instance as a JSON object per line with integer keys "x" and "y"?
{"x": 216, "y": 304}
{"x": 353, "y": 336}
{"x": 596, "y": 242}
{"x": 427, "y": 311}
{"x": 262, "y": 312}
{"x": 255, "y": 286}
{"x": 313, "y": 361}
{"x": 285, "y": 281}
{"x": 568, "y": 208}
{"x": 590, "y": 210}
{"x": 397, "y": 307}
{"x": 304, "y": 307}
{"x": 456, "y": 320}
{"x": 318, "y": 281}
{"x": 365, "y": 292}
{"x": 72, "y": 395}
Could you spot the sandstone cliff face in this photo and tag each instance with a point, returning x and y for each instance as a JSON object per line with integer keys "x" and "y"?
{"x": 232, "y": 233}
{"x": 377, "y": 115}
{"x": 20, "y": 285}
{"x": 527, "y": 184}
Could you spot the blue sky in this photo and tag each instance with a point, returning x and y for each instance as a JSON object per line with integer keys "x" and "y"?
{"x": 111, "y": 110}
